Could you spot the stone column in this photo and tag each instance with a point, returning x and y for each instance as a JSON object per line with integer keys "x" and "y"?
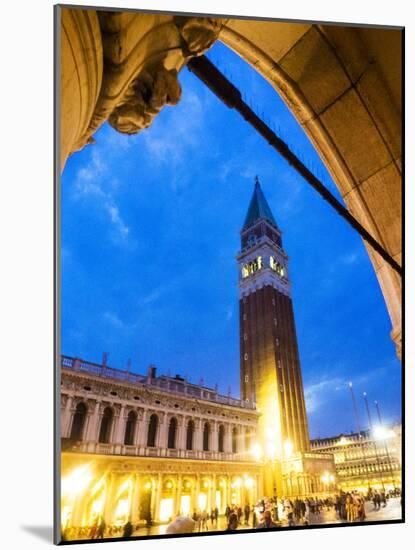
{"x": 163, "y": 430}
{"x": 66, "y": 420}
{"x": 197, "y": 491}
{"x": 92, "y": 427}
{"x": 260, "y": 485}
{"x": 135, "y": 499}
{"x": 198, "y": 435}
{"x": 227, "y": 444}
{"x": 212, "y": 492}
{"x": 119, "y": 427}
{"x": 228, "y": 491}
{"x": 178, "y": 503}
{"x": 214, "y": 437}
{"x": 193, "y": 503}
{"x": 81, "y": 64}
{"x": 136, "y": 430}
{"x": 181, "y": 436}
{"x": 143, "y": 429}
{"x": 109, "y": 499}
{"x": 159, "y": 487}
{"x": 241, "y": 440}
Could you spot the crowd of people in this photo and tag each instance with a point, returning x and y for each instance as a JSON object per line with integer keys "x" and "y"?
{"x": 265, "y": 514}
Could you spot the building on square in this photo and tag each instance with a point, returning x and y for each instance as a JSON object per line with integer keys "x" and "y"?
{"x": 367, "y": 460}
{"x": 139, "y": 446}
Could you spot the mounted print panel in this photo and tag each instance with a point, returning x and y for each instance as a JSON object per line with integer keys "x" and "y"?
{"x": 229, "y": 257}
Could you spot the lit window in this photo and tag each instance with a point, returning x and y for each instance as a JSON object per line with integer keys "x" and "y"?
{"x": 276, "y": 266}
{"x": 279, "y": 364}
{"x": 273, "y": 302}
{"x": 277, "y": 341}
{"x": 246, "y": 357}
{"x": 275, "y": 321}
{"x": 281, "y": 388}
{"x": 246, "y": 378}
{"x": 245, "y": 336}
{"x": 244, "y": 317}
{"x": 251, "y": 267}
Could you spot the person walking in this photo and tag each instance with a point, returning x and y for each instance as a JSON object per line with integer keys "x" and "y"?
{"x": 254, "y": 518}
{"x": 232, "y": 522}
{"x": 203, "y": 521}
{"x": 101, "y": 529}
{"x": 360, "y": 508}
{"x": 239, "y": 514}
{"x": 267, "y": 522}
{"x": 350, "y": 508}
{"x": 216, "y": 511}
{"x": 128, "y": 529}
{"x": 247, "y": 513}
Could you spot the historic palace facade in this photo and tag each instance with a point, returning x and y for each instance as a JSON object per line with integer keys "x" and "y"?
{"x": 151, "y": 445}
{"x": 366, "y": 460}
{"x": 141, "y": 447}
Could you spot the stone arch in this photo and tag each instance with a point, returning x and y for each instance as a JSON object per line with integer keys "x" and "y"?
{"x": 172, "y": 434}
{"x": 235, "y": 439}
{"x": 190, "y": 430}
{"x": 206, "y": 436}
{"x": 105, "y": 428}
{"x": 221, "y": 438}
{"x": 152, "y": 432}
{"x": 78, "y": 421}
{"x": 248, "y": 440}
{"x": 342, "y": 83}
{"x": 94, "y": 505}
{"x": 130, "y": 427}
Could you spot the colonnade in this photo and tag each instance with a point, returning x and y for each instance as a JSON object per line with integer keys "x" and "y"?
{"x": 303, "y": 485}
{"x": 128, "y": 429}
{"x": 90, "y": 494}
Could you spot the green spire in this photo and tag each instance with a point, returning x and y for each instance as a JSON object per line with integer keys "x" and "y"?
{"x": 258, "y": 208}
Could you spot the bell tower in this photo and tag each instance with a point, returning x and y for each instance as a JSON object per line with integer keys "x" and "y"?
{"x": 270, "y": 373}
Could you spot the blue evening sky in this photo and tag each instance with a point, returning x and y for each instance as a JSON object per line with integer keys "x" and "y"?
{"x": 150, "y": 231}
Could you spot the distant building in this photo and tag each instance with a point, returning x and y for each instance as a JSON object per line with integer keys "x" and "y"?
{"x": 365, "y": 460}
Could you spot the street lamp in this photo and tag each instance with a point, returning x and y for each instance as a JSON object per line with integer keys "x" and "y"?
{"x": 384, "y": 435}
{"x": 374, "y": 439}
{"x": 356, "y": 413}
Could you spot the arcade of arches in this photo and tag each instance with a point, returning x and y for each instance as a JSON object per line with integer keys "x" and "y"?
{"x": 343, "y": 84}
{"x": 136, "y": 447}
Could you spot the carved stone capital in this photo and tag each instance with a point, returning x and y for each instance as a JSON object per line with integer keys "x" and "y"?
{"x": 142, "y": 56}
{"x": 144, "y": 99}
{"x": 198, "y": 33}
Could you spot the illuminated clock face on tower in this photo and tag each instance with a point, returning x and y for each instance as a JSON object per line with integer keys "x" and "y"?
{"x": 251, "y": 267}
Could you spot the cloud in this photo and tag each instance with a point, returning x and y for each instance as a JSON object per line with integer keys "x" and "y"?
{"x": 316, "y": 394}
{"x": 229, "y": 313}
{"x": 92, "y": 182}
{"x": 113, "y": 319}
{"x": 320, "y": 392}
{"x": 176, "y": 133}
{"x": 152, "y": 296}
{"x": 351, "y": 258}
{"x": 121, "y": 228}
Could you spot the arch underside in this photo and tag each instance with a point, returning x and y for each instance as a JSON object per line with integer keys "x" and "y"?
{"x": 342, "y": 83}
